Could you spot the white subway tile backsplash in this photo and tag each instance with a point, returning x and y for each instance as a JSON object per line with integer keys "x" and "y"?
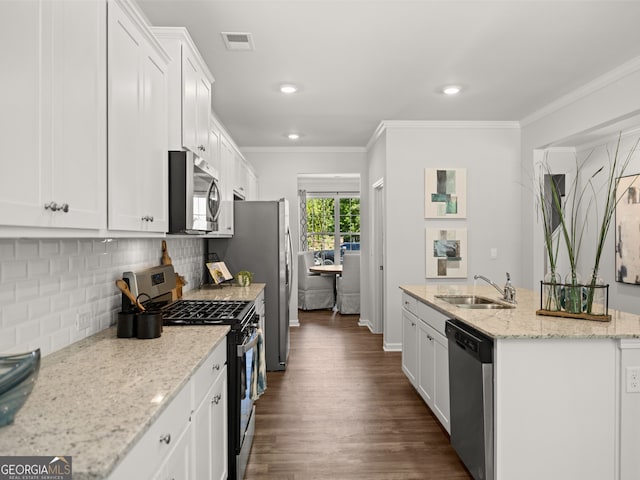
{"x": 49, "y": 248}
{"x": 14, "y": 314}
{"x": 27, "y": 249}
{"x": 13, "y": 270}
{"x": 7, "y": 250}
{"x": 59, "y": 265}
{"x": 25, "y": 291}
{"x": 39, "y": 307}
{"x": 37, "y": 268}
{"x": 47, "y": 283}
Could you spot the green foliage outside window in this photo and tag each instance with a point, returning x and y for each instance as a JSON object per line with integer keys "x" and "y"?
{"x": 321, "y": 222}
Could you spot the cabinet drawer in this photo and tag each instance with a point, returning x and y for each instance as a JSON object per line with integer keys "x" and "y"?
{"x": 209, "y": 372}
{"x": 156, "y": 444}
{"x": 409, "y": 303}
{"x": 432, "y": 317}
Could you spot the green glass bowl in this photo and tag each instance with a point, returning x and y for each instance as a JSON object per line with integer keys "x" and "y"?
{"x": 18, "y": 374}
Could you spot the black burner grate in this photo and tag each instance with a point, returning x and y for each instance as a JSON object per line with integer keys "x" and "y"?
{"x": 204, "y": 311}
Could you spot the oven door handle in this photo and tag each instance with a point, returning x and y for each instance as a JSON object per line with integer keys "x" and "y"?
{"x": 245, "y": 347}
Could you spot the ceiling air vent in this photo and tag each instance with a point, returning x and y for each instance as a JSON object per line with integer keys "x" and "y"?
{"x": 238, "y": 41}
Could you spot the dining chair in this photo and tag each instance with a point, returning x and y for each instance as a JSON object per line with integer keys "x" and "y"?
{"x": 348, "y": 285}
{"x": 315, "y": 291}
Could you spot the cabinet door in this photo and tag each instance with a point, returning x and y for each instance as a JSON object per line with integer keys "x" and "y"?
{"x": 203, "y": 111}
{"x": 53, "y": 117}
{"x": 210, "y": 432}
{"x": 409, "y": 345}
{"x": 190, "y": 79}
{"x": 154, "y": 181}
{"x": 240, "y": 187}
{"x": 441, "y": 394}
{"x": 78, "y": 102}
{"x": 226, "y": 188}
{"x": 125, "y": 165}
{"x": 214, "y": 149}
{"x": 138, "y": 129}
{"x": 178, "y": 465}
{"x": 22, "y": 169}
{"x": 426, "y": 366}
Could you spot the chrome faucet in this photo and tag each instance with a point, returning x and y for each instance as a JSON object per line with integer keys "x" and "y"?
{"x": 508, "y": 292}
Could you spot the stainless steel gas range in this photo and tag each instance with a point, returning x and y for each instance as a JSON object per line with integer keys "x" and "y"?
{"x": 241, "y": 348}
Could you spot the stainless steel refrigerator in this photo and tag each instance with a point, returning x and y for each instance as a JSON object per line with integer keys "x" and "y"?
{"x": 261, "y": 243}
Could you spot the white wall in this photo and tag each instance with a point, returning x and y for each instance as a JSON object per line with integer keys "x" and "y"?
{"x": 278, "y": 169}
{"x": 490, "y": 153}
{"x": 607, "y": 104}
{"x": 47, "y": 283}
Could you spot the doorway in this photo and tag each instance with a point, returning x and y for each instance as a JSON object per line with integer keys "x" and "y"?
{"x": 379, "y": 325}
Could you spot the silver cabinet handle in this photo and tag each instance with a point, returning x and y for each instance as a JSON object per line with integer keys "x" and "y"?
{"x": 147, "y": 218}
{"x": 54, "y": 207}
{"x": 166, "y": 438}
{"x": 216, "y": 399}
{"x": 216, "y": 366}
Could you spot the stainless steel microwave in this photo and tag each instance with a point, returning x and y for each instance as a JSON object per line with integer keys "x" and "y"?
{"x": 194, "y": 195}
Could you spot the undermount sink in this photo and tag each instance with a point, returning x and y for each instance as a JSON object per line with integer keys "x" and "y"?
{"x": 473, "y": 301}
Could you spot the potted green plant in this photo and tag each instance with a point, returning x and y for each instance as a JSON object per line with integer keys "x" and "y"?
{"x": 244, "y": 278}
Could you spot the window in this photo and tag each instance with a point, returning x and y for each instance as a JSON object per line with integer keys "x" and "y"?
{"x": 333, "y": 223}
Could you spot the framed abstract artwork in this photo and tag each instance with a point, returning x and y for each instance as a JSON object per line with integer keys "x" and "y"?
{"x": 628, "y": 230}
{"x": 445, "y": 193}
{"x": 446, "y": 253}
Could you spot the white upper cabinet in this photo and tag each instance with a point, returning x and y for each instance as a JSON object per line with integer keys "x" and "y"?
{"x": 227, "y": 159}
{"x": 53, "y": 116}
{"x": 138, "y": 119}
{"x": 189, "y": 92}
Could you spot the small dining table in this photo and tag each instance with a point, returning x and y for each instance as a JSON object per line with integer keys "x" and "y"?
{"x": 327, "y": 269}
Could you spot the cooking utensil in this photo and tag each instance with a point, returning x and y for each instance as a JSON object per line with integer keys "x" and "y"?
{"x": 122, "y": 285}
{"x": 166, "y": 259}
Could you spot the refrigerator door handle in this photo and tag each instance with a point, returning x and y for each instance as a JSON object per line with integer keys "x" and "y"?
{"x": 288, "y": 268}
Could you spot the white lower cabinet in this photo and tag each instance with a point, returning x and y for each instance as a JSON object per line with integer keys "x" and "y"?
{"x": 210, "y": 418}
{"x": 410, "y": 346}
{"x": 425, "y": 355}
{"x": 155, "y": 449}
{"x": 188, "y": 441}
{"x": 179, "y": 462}
{"x": 433, "y": 371}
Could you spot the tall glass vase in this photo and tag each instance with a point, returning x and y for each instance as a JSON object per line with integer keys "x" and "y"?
{"x": 551, "y": 291}
{"x": 573, "y": 293}
{"x": 596, "y": 302}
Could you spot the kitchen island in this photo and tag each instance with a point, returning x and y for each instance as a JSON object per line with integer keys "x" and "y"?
{"x": 95, "y": 399}
{"x": 561, "y": 406}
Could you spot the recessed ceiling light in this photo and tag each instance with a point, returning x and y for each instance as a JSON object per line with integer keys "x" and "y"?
{"x": 451, "y": 89}
{"x": 288, "y": 88}
{"x": 293, "y": 136}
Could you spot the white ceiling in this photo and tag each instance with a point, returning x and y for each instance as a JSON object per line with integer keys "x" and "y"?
{"x": 359, "y": 62}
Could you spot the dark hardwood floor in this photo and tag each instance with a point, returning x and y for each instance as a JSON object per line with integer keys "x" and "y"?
{"x": 343, "y": 409}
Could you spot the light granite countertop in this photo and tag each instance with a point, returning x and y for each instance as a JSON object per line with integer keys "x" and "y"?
{"x": 94, "y": 399}
{"x": 226, "y": 292}
{"x": 522, "y": 321}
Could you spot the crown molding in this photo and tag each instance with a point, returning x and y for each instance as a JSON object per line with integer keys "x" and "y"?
{"x": 303, "y": 150}
{"x": 599, "y": 83}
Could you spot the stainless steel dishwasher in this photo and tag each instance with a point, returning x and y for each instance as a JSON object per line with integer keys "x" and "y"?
{"x": 471, "y": 397}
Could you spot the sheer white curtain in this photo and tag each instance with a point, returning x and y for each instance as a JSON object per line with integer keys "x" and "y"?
{"x": 304, "y": 243}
